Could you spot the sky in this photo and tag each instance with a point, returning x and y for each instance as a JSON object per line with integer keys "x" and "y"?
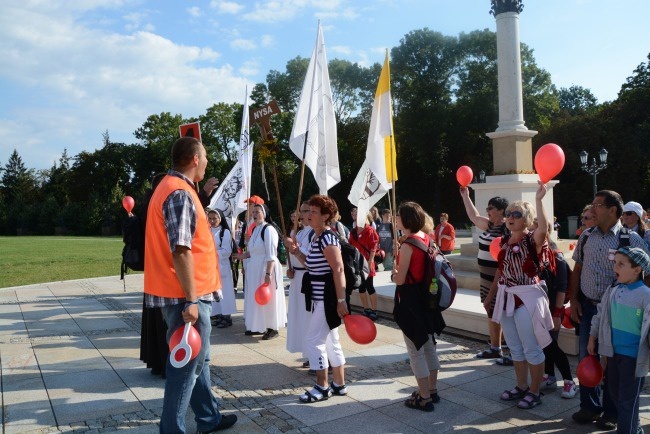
{"x": 71, "y": 70}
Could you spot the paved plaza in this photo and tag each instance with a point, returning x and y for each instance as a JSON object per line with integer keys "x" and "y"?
{"x": 70, "y": 363}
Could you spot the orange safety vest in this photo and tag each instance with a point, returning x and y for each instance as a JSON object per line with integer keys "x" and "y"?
{"x": 160, "y": 276}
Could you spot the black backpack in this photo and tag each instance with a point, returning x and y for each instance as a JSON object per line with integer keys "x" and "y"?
{"x": 355, "y": 266}
{"x": 133, "y": 252}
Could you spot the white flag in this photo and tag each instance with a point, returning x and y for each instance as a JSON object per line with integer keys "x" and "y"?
{"x": 315, "y": 122}
{"x": 380, "y": 153}
{"x": 235, "y": 188}
{"x": 365, "y": 192}
{"x": 378, "y": 170}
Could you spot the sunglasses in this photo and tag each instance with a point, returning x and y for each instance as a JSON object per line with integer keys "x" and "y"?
{"x": 629, "y": 213}
{"x": 514, "y": 214}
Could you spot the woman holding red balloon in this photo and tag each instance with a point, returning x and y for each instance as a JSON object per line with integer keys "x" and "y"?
{"x": 521, "y": 303}
{"x": 324, "y": 289}
{"x": 263, "y": 268}
{"x": 418, "y": 325}
{"x": 493, "y": 227}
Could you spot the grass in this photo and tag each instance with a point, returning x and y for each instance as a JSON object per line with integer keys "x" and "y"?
{"x": 28, "y": 260}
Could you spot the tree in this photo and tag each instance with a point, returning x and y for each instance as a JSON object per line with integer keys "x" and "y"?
{"x": 576, "y": 100}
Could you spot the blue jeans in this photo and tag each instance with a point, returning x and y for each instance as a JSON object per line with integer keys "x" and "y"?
{"x": 189, "y": 385}
{"x": 590, "y": 396}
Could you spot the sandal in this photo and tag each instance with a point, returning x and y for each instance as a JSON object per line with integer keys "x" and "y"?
{"x": 419, "y": 403}
{"x": 317, "y": 393}
{"x": 516, "y": 393}
{"x": 491, "y": 353}
{"x": 529, "y": 401}
{"x": 505, "y": 361}
{"x": 341, "y": 390}
{"x": 433, "y": 394}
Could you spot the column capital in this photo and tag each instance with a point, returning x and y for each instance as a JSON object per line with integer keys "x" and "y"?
{"x": 501, "y": 6}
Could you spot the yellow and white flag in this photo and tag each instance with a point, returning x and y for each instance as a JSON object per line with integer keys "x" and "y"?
{"x": 378, "y": 171}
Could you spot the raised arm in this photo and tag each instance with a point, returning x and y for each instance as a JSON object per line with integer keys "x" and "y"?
{"x": 473, "y": 214}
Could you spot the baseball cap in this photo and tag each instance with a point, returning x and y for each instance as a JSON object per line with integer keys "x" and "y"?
{"x": 638, "y": 256}
{"x": 255, "y": 199}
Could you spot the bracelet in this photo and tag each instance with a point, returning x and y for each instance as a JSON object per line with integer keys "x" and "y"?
{"x": 341, "y": 300}
{"x": 268, "y": 274}
{"x": 189, "y": 303}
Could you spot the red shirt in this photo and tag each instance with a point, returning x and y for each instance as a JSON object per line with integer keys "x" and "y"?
{"x": 417, "y": 263}
{"x": 367, "y": 242}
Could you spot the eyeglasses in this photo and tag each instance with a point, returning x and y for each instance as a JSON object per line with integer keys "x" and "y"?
{"x": 514, "y": 214}
{"x": 596, "y": 205}
{"x": 584, "y": 217}
{"x": 490, "y": 208}
{"x": 629, "y": 213}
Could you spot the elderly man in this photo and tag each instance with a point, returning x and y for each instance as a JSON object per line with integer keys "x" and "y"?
{"x": 180, "y": 278}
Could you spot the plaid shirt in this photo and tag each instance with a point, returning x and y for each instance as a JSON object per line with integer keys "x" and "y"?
{"x": 179, "y": 213}
{"x": 597, "y": 268}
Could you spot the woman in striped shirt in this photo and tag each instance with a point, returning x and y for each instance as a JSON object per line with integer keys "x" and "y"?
{"x": 493, "y": 226}
{"x": 521, "y": 303}
{"x": 324, "y": 288}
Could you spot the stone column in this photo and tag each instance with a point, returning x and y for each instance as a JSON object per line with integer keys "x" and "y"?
{"x": 512, "y": 141}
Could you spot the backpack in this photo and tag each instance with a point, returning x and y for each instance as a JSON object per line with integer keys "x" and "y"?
{"x": 233, "y": 244}
{"x": 623, "y": 239}
{"x": 282, "y": 251}
{"x": 355, "y": 266}
{"x": 133, "y": 251}
{"x": 439, "y": 276}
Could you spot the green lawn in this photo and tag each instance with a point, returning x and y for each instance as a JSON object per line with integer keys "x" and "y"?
{"x": 27, "y": 260}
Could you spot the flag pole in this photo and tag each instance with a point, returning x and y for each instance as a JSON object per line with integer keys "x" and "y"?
{"x": 304, "y": 148}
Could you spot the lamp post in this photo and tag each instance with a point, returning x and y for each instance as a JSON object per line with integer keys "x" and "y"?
{"x": 594, "y": 168}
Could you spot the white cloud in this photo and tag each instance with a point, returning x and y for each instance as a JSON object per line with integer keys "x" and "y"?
{"x": 243, "y": 44}
{"x": 270, "y": 11}
{"x": 84, "y": 81}
{"x": 194, "y": 11}
{"x": 250, "y": 68}
{"x": 267, "y": 40}
{"x": 340, "y": 49}
{"x": 226, "y": 7}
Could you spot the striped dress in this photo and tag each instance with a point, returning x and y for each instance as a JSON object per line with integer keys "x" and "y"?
{"x": 487, "y": 265}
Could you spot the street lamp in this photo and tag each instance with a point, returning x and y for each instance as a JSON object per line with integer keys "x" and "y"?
{"x": 594, "y": 168}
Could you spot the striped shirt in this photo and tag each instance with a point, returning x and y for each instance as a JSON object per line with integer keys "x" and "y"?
{"x": 518, "y": 268}
{"x": 597, "y": 268}
{"x": 627, "y": 304}
{"x": 317, "y": 264}
{"x": 487, "y": 265}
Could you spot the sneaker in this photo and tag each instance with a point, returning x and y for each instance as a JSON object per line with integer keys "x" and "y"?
{"x": 492, "y": 353}
{"x": 585, "y": 416}
{"x": 606, "y": 424}
{"x": 227, "y": 420}
{"x": 373, "y": 315}
{"x": 549, "y": 382}
{"x": 367, "y": 312}
{"x": 569, "y": 390}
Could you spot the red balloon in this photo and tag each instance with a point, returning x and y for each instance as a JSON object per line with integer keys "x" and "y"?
{"x": 263, "y": 294}
{"x": 590, "y": 371}
{"x": 495, "y": 248}
{"x": 193, "y": 339}
{"x": 464, "y": 176}
{"x": 128, "y": 203}
{"x": 360, "y": 328}
{"x": 566, "y": 319}
{"x": 549, "y": 161}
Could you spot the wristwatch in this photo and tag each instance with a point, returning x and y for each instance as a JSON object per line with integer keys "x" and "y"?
{"x": 341, "y": 300}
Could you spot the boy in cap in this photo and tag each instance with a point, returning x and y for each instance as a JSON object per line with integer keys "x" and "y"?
{"x": 620, "y": 332}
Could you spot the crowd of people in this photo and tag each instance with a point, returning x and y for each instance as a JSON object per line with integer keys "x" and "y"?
{"x": 523, "y": 291}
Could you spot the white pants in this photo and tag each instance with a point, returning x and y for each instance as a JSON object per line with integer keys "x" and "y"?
{"x": 321, "y": 343}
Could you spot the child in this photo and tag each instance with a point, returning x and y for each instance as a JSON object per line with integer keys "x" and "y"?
{"x": 621, "y": 329}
